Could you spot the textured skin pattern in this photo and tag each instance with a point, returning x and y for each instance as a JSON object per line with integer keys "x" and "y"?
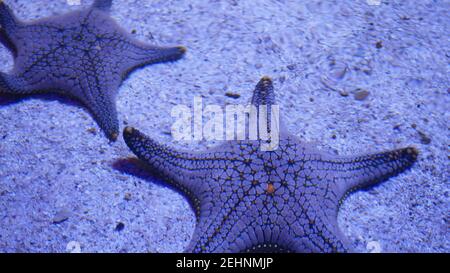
{"x": 283, "y": 200}
{"x": 82, "y": 54}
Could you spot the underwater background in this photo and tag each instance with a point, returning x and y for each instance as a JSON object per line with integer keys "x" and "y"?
{"x": 352, "y": 76}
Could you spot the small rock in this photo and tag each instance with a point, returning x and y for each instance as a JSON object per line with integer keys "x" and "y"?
{"x": 373, "y": 247}
{"x": 61, "y": 216}
{"x": 73, "y": 247}
{"x": 424, "y": 139}
{"x": 343, "y": 93}
{"x": 338, "y": 71}
{"x": 232, "y": 95}
{"x": 361, "y": 94}
{"x": 379, "y": 44}
{"x": 291, "y": 67}
{"x": 127, "y": 196}
{"x": 120, "y": 226}
{"x": 92, "y": 130}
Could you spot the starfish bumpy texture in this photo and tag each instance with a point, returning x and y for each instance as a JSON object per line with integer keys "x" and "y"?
{"x": 84, "y": 54}
{"x": 284, "y": 200}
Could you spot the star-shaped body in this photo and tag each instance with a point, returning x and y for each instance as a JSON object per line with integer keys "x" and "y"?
{"x": 286, "y": 199}
{"x": 84, "y": 54}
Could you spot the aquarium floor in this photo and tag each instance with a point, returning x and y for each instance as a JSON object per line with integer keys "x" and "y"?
{"x": 56, "y": 166}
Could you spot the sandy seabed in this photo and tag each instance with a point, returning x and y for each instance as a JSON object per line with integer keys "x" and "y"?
{"x": 55, "y": 162}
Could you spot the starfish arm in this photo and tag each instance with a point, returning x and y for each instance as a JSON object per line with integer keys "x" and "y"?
{"x": 364, "y": 171}
{"x": 102, "y": 4}
{"x": 264, "y": 93}
{"x": 101, "y": 103}
{"x": 185, "y": 171}
{"x": 11, "y": 84}
{"x": 138, "y": 54}
{"x": 8, "y": 21}
{"x": 8, "y": 27}
{"x": 265, "y": 116}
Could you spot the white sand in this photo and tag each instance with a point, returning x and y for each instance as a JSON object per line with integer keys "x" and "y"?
{"x": 50, "y": 162}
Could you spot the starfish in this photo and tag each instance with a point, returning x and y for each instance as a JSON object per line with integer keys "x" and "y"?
{"x": 84, "y": 54}
{"x": 281, "y": 200}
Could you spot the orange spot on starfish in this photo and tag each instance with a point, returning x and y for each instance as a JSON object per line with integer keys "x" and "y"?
{"x": 270, "y": 188}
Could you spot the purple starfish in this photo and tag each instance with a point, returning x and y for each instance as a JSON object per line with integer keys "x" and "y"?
{"x": 84, "y": 54}
{"x": 282, "y": 200}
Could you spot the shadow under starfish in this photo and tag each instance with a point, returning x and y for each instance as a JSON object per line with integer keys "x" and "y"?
{"x": 83, "y": 54}
{"x": 282, "y": 200}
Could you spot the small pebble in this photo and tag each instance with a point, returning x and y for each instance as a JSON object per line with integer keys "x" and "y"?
{"x": 291, "y": 66}
{"x": 73, "y": 247}
{"x": 379, "y": 45}
{"x": 232, "y": 95}
{"x": 424, "y": 139}
{"x": 127, "y": 196}
{"x": 361, "y": 94}
{"x": 343, "y": 93}
{"x": 61, "y": 216}
{"x": 120, "y": 226}
{"x": 92, "y": 130}
{"x": 338, "y": 71}
{"x": 374, "y": 247}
